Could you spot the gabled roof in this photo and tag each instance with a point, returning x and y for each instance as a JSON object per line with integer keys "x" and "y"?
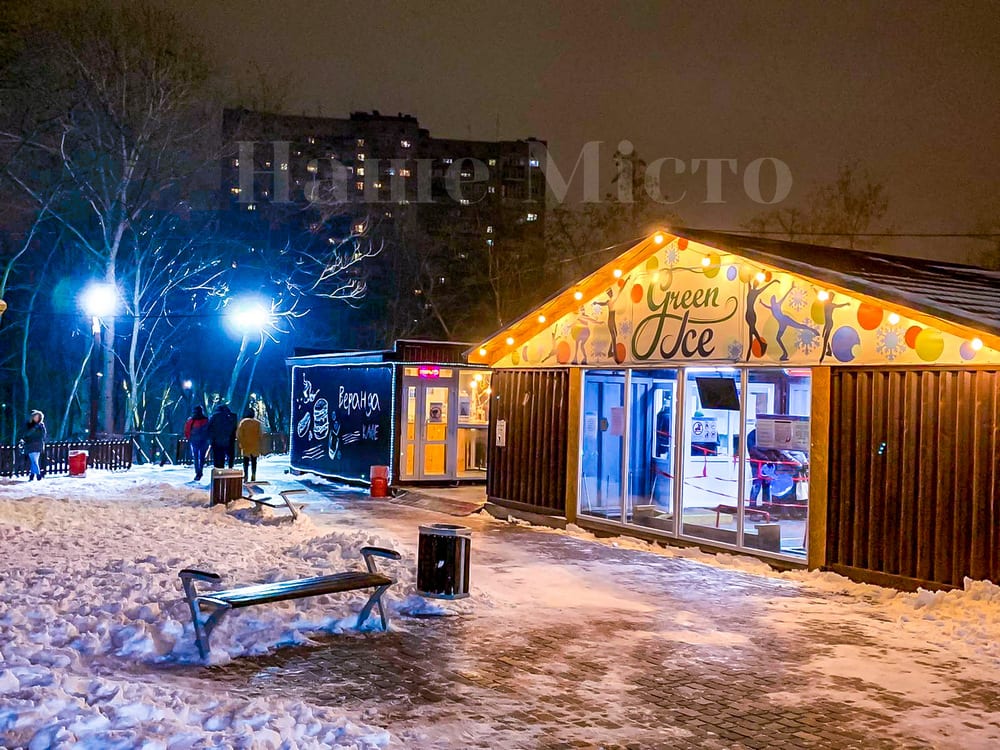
{"x": 960, "y": 294}
{"x": 950, "y": 296}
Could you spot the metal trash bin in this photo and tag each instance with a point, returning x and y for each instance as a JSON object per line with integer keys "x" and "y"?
{"x": 227, "y": 485}
{"x": 78, "y": 463}
{"x": 443, "y": 561}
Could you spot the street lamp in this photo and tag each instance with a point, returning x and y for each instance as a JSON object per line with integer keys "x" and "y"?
{"x": 250, "y": 317}
{"x": 98, "y": 300}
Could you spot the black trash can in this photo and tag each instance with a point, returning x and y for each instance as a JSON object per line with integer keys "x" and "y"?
{"x": 443, "y": 561}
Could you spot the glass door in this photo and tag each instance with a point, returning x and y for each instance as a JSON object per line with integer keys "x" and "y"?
{"x": 435, "y": 437}
{"x": 711, "y": 454}
{"x": 410, "y": 445}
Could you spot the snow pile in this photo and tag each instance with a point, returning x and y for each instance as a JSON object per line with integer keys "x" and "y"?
{"x": 89, "y": 587}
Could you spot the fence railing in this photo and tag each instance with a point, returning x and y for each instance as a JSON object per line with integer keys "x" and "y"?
{"x": 115, "y": 455}
{"x": 270, "y": 443}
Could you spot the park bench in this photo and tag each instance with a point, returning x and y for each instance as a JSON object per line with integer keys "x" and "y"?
{"x": 220, "y": 602}
{"x": 270, "y": 502}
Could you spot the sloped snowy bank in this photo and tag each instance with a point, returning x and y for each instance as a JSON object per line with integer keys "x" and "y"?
{"x": 87, "y": 584}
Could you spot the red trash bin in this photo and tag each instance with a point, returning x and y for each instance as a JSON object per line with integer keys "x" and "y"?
{"x": 379, "y": 476}
{"x": 78, "y": 463}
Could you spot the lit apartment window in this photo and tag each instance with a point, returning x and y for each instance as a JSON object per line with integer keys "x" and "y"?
{"x": 489, "y": 229}
{"x": 388, "y": 214}
{"x": 392, "y": 171}
{"x": 533, "y": 163}
{"x": 447, "y": 160}
{"x": 405, "y": 143}
{"x": 442, "y": 279}
{"x": 492, "y": 162}
{"x": 359, "y": 227}
{"x": 359, "y": 185}
{"x": 378, "y": 185}
{"x": 360, "y": 171}
{"x": 531, "y": 217}
{"x": 491, "y": 189}
{"x": 265, "y": 193}
{"x": 284, "y": 166}
{"x": 311, "y": 168}
{"x": 234, "y": 191}
{"x": 267, "y": 165}
{"x": 404, "y": 173}
{"x": 310, "y": 140}
{"x": 466, "y": 173}
{"x": 464, "y": 201}
{"x": 360, "y": 142}
{"x": 251, "y": 206}
{"x": 361, "y": 157}
{"x": 489, "y": 243}
{"x": 236, "y": 162}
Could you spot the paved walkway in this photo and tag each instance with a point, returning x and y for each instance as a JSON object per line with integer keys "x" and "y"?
{"x": 656, "y": 653}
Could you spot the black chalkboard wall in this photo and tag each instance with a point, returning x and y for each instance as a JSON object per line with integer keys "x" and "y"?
{"x": 341, "y": 419}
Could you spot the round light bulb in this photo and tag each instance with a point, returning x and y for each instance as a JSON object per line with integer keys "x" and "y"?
{"x": 617, "y": 273}
{"x": 510, "y": 341}
{"x": 578, "y": 296}
{"x": 893, "y": 318}
{"x": 482, "y": 351}
{"x": 976, "y": 344}
{"x": 706, "y": 261}
{"x": 823, "y": 295}
{"x": 760, "y": 277}
{"x": 541, "y": 318}
{"x": 658, "y": 238}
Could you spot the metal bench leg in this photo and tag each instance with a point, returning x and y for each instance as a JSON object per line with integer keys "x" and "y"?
{"x": 375, "y": 598}
{"x": 295, "y": 512}
{"x": 201, "y": 636}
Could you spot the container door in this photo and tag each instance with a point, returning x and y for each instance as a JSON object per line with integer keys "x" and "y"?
{"x": 436, "y": 428}
{"x": 410, "y": 458}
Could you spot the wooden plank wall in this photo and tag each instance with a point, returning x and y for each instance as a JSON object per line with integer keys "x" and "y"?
{"x": 914, "y": 474}
{"x": 530, "y": 472}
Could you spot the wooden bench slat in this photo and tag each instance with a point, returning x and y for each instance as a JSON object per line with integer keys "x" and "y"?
{"x": 283, "y": 590}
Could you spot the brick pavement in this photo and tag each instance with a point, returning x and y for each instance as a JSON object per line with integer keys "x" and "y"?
{"x": 499, "y": 680}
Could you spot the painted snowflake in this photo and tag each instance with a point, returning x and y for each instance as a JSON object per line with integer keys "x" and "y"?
{"x": 735, "y": 349}
{"x": 597, "y": 310}
{"x": 890, "y": 342}
{"x": 625, "y": 328}
{"x": 806, "y": 340}
{"x": 673, "y": 256}
{"x": 798, "y": 298}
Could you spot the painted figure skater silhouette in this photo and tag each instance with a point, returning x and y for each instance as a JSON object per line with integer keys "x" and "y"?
{"x": 753, "y": 293}
{"x": 828, "y": 310}
{"x": 784, "y": 321}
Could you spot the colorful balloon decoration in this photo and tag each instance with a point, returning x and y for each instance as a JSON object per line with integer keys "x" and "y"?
{"x": 870, "y": 316}
{"x": 563, "y": 352}
{"x": 911, "y": 336}
{"x": 637, "y": 293}
{"x": 843, "y": 342}
{"x": 929, "y": 345}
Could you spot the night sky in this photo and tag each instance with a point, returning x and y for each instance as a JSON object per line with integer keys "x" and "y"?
{"x": 909, "y": 90}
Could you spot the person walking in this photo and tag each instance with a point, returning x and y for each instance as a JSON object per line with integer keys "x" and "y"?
{"x": 249, "y": 434}
{"x": 222, "y": 436}
{"x": 196, "y": 432}
{"x": 34, "y": 444}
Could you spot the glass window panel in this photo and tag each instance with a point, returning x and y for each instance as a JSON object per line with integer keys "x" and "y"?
{"x": 777, "y": 462}
{"x": 652, "y": 449}
{"x": 710, "y": 454}
{"x": 603, "y": 444}
{"x": 473, "y": 397}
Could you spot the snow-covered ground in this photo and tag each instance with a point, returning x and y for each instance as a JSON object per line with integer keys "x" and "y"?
{"x": 91, "y": 607}
{"x": 88, "y": 587}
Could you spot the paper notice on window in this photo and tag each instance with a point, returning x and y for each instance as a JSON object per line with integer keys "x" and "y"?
{"x": 800, "y": 436}
{"x": 765, "y": 433}
{"x": 617, "y": 421}
{"x": 501, "y": 433}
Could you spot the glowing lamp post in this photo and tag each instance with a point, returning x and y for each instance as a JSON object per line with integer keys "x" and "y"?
{"x": 99, "y": 300}
{"x": 250, "y": 318}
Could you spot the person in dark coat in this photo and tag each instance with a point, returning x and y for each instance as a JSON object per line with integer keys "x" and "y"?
{"x": 196, "y": 432}
{"x": 222, "y": 436}
{"x": 34, "y": 444}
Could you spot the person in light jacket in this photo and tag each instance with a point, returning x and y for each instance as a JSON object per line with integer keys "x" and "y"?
{"x": 34, "y": 444}
{"x": 249, "y": 435}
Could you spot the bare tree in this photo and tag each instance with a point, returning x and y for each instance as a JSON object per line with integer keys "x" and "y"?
{"x": 839, "y": 212}
{"x": 104, "y": 102}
